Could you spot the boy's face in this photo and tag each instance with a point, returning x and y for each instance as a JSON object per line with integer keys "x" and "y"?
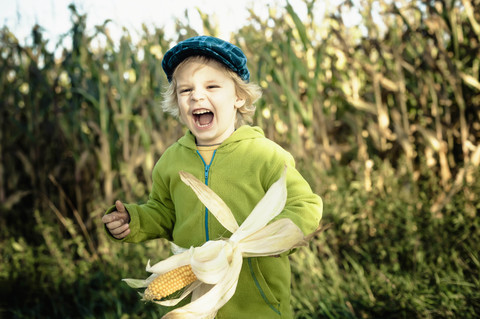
{"x": 207, "y": 101}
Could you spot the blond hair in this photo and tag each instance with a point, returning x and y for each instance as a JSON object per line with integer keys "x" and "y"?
{"x": 248, "y": 91}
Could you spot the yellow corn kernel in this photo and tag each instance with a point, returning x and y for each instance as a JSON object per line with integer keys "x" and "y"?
{"x": 170, "y": 282}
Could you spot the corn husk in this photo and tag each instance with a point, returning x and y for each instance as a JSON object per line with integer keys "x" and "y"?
{"x": 217, "y": 263}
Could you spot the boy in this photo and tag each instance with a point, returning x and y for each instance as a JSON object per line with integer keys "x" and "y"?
{"x": 211, "y": 94}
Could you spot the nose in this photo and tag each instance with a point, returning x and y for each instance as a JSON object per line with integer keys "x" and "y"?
{"x": 198, "y": 95}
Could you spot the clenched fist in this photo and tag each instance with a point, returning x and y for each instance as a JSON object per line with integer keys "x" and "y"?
{"x": 117, "y": 221}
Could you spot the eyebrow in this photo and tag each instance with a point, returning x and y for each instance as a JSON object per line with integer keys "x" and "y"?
{"x": 181, "y": 85}
{"x": 215, "y": 81}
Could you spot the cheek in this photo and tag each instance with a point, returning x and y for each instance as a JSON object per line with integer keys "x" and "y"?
{"x": 182, "y": 107}
{"x": 181, "y": 112}
{"x": 182, "y": 116}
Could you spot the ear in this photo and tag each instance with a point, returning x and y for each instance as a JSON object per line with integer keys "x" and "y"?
{"x": 239, "y": 102}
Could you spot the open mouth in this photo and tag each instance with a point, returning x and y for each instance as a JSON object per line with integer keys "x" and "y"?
{"x": 203, "y": 118}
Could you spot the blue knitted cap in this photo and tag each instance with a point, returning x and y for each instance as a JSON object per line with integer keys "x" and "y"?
{"x": 212, "y": 47}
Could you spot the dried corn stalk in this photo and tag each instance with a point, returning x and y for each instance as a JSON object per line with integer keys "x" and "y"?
{"x": 217, "y": 263}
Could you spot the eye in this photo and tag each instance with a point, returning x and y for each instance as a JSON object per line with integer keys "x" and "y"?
{"x": 185, "y": 90}
{"x": 213, "y": 86}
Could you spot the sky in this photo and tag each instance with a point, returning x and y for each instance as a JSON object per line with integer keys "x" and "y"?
{"x": 54, "y": 16}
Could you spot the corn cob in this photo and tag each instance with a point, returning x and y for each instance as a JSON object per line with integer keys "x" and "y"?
{"x": 170, "y": 282}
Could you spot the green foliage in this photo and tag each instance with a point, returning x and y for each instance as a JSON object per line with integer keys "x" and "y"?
{"x": 382, "y": 119}
{"x": 387, "y": 255}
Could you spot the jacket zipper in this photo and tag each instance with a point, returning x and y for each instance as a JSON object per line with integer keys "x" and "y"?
{"x": 207, "y": 236}
{"x": 206, "y": 172}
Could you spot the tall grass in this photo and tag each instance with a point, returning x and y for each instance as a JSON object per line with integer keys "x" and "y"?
{"x": 383, "y": 119}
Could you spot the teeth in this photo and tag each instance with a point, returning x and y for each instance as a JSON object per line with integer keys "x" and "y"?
{"x": 199, "y": 112}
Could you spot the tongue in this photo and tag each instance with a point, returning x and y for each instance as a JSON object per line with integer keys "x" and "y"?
{"x": 205, "y": 119}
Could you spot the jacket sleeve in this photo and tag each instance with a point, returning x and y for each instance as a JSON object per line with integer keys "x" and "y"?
{"x": 303, "y": 207}
{"x": 155, "y": 218}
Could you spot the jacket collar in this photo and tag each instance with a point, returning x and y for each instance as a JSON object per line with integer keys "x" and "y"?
{"x": 242, "y": 133}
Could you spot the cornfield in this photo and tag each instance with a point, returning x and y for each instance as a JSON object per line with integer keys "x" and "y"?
{"x": 382, "y": 117}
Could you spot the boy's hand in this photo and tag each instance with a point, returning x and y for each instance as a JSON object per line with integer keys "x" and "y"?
{"x": 117, "y": 221}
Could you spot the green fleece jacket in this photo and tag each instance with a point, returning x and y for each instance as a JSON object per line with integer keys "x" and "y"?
{"x": 242, "y": 169}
